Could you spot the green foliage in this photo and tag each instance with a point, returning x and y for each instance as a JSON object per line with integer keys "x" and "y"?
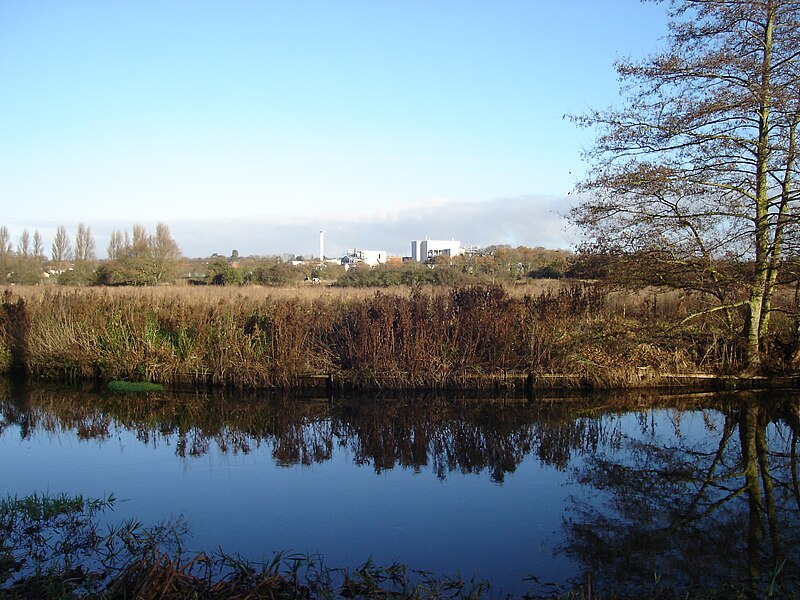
{"x": 275, "y": 273}
{"x": 140, "y": 259}
{"x": 20, "y": 270}
{"x": 549, "y": 271}
{"x": 221, "y": 272}
{"x": 82, "y": 273}
{"x": 408, "y": 274}
{"x": 134, "y": 387}
{"x": 124, "y": 271}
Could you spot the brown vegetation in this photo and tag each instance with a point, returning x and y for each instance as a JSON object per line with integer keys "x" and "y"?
{"x": 409, "y": 338}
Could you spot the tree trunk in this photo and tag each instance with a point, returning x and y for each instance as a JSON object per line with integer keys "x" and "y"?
{"x": 784, "y": 215}
{"x": 747, "y": 435}
{"x": 761, "y": 224}
{"x": 752, "y": 358}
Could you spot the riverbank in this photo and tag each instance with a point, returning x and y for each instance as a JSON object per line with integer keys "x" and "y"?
{"x": 476, "y": 338}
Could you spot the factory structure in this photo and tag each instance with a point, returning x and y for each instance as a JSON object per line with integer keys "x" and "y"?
{"x": 425, "y": 250}
{"x": 366, "y": 257}
{"x": 422, "y": 251}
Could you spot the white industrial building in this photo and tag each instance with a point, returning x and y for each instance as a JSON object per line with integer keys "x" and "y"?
{"x": 424, "y": 250}
{"x": 367, "y": 257}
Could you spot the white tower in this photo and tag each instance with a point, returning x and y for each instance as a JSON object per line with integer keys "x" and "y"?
{"x": 321, "y": 246}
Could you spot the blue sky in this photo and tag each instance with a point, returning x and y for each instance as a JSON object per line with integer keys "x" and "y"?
{"x": 253, "y": 125}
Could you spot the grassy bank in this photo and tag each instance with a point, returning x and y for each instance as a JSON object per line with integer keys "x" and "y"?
{"x": 409, "y": 338}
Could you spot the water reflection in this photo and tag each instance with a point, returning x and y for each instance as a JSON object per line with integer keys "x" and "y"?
{"x": 673, "y": 492}
{"x": 717, "y": 510}
{"x": 445, "y": 435}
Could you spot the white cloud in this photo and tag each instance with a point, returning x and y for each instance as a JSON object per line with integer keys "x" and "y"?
{"x": 526, "y": 220}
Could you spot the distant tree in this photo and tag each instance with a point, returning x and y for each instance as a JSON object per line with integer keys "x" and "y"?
{"x": 27, "y": 265}
{"x": 61, "y": 248}
{"x": 5, "y": 242}
{"x": 165, "y": 253}
{"x": 38, "y": 245}
{"x": 275, "y": 273}
{"x": 82, "y": 271}
{"x": 84, "y": 244}
{"x": 23, "y": 267}
{"x": 6, "y": 255}
{"x": 24, "y": 245}
{"x": 140, "y": 244}
{"x": 221, "y": 272}
{"x": 116, "y": 245}
{"x": 140, "y": 259}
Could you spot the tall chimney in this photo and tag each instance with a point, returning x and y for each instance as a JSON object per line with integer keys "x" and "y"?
{"x": 321, "y": 246}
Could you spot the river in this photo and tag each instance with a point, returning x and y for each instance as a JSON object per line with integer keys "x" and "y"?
{"x": 633, "y": 491}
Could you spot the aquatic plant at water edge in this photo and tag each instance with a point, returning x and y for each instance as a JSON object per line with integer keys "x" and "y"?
{"x": 53, "y": 547}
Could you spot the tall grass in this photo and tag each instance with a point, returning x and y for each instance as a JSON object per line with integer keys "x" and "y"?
{"x": 410, "y": 338}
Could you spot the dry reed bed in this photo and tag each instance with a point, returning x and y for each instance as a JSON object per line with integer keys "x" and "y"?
{"x": 410, "y": 338}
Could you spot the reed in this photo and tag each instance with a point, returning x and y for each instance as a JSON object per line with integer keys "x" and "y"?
{"x": 52, "y": 547}
{"x": 409, "y": 338}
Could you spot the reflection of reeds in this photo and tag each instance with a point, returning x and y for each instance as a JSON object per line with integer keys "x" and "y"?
{"x": 470, "y": 337}
{"x": 443, "y": 435}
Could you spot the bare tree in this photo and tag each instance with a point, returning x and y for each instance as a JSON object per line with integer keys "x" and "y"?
{"x": 163, "y": 245}
{"x": 84, "y": 244}
{"x": 24, "y": 245}
{"x": 165, "y": 252}
{"x": 61, "y": 249}
{"x": 5, "y": 242}
{"x": 38, "y": 245}
{"x": 700, "y": 162}
{"x": 140, "y": 245}
{"x": 116, "y": 245}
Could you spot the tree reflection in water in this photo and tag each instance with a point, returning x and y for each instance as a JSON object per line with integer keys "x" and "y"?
{"x": 721, "y": 512}
{"x": 711, "y": 511}
{"x": 445, "y": 435}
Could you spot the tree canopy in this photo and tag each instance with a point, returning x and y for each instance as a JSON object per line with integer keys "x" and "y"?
{"x": 699, "y": 163}
{"x": 140, "y": 258}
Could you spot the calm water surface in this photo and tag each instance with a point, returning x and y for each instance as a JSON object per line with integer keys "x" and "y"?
{"x": 620, "y": 487}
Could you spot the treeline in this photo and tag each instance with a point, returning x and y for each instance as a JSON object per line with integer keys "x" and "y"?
{"x": 491, "y": 265}
{"x": 135, "y": 258}
{"x": 139, "y": 258}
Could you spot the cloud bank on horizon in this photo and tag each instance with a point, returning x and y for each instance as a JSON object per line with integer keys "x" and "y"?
{"x": 526, "y": 221}
{"x": 521, "y": 221}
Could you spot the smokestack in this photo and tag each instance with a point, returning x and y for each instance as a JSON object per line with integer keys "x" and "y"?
{"x": 321, "y": 246}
